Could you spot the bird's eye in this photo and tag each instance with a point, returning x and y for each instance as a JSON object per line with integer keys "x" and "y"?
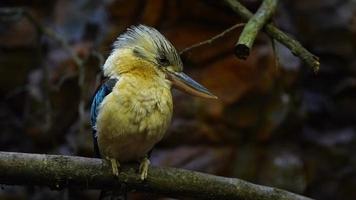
{"x": 163, "y": 61}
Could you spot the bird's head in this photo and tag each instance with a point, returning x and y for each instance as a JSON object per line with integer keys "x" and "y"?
{"x": 144, "y": 51}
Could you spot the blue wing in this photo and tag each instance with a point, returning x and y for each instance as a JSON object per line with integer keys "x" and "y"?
{"x": 101, "y": 93}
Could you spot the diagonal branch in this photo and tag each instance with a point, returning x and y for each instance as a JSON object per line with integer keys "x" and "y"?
{"x": 58, "y": 172}
{"x": 253, "y": 26}
{"x": 296, "y": 48}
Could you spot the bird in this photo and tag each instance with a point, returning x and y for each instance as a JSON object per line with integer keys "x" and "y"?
{"x": 132, "y": 109}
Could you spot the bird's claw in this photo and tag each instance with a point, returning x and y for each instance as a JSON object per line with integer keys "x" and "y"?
{"x": 145, "y": 163}
{"x": 115, "y": 165}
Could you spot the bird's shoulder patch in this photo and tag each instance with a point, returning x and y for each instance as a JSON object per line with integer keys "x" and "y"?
{"x": 102, "y": 91}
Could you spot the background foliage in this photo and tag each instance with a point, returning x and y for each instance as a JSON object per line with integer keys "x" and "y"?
{"x": 278, "y": 125}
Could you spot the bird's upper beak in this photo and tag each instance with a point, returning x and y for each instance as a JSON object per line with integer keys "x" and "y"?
{"x": 187, "y": 84}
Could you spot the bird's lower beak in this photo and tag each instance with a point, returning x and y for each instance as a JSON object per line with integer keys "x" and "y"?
{"x": 187, "y": 84}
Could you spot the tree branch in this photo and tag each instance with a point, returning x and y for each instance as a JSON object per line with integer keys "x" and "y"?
{"x": 58, "y": 171}
{"x": 296, "y": 48}
{"x": 253, "y": 26}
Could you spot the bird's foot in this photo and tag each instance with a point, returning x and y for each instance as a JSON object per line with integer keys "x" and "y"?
{"x": 115, "y": 165}
{"x": 145, "y": 163}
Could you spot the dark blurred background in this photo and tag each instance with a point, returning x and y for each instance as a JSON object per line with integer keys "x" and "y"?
{"x": 278, "y": 124}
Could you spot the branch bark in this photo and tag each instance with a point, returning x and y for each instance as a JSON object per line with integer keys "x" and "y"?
{"x": 57, "y": 171}
{"x": 253, "y": 26}
{"x": 296, "y": 48}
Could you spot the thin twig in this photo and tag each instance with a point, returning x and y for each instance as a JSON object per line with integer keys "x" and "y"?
{"x": 275, "y": 53}
{"x": 211, "y": 40}
{"x": 253, "y": 27}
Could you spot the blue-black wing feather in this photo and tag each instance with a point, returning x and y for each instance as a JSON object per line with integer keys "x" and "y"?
{"x": 101, "y": 93}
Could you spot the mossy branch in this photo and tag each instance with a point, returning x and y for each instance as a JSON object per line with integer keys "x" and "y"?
{"x": 296, "y": 48}
{"x": 253, "y": 26}
{"x": 58, "y": 172}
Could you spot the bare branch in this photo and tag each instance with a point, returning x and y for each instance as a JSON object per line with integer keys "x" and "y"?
{"x": 296, "y": 48}
{"x": 253, "y": 26}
